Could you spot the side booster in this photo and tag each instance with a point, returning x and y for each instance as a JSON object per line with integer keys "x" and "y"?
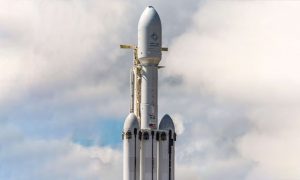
{"x": 131, "y": 148}
{"x": 166, "y": 155}
{"x": 148, "y": 150}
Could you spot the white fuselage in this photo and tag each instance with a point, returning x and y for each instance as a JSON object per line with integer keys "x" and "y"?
{"x": 149, "y": 97}
{"x": 155, "y": 154}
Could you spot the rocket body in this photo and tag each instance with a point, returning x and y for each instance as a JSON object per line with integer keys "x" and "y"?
{"x": 149, "y": 55}
{"x": 149, "y": 97}
{"x": 149, "y": 152}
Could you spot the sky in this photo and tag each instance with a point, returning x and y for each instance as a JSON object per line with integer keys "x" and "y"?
{"x": 231, "y": 84}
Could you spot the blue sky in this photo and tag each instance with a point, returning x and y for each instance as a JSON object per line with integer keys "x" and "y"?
{"x": 231, "y": 84}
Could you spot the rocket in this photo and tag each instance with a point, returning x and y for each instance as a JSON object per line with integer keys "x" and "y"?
{"x": 148, "y": 147}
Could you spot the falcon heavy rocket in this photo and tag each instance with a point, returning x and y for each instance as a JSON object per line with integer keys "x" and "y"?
{"x": 148, "y": 148}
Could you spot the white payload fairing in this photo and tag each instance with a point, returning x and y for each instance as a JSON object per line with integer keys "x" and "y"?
{"x": 148, "y": 148}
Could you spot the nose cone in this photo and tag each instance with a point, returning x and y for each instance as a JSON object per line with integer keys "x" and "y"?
{"x": 131, "y": 122}
{"x": 149, "y": 37}
{"x": 149, "y": 18}
{"x": 166, "y": 123}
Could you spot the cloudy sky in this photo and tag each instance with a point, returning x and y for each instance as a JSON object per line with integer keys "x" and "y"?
{"x": 231, "y": 82}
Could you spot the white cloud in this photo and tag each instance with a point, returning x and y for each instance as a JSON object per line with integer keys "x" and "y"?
{"x": 24, "y": 158}
{"x": 231, "y": 82}
{"x": 54, "y": 57}
{"x": 247, "y": 53}
{"x": 51, "y": 45}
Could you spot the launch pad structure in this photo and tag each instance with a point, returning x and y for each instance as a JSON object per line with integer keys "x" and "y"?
{"x": 135, "y": 80}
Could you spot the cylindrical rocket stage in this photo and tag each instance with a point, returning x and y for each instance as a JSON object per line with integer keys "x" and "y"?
{"x": 131, "y": 148}
{"x": 148, "y": 166}
{"x": 149, "y": 97}
{"x": 166, "y": 162}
